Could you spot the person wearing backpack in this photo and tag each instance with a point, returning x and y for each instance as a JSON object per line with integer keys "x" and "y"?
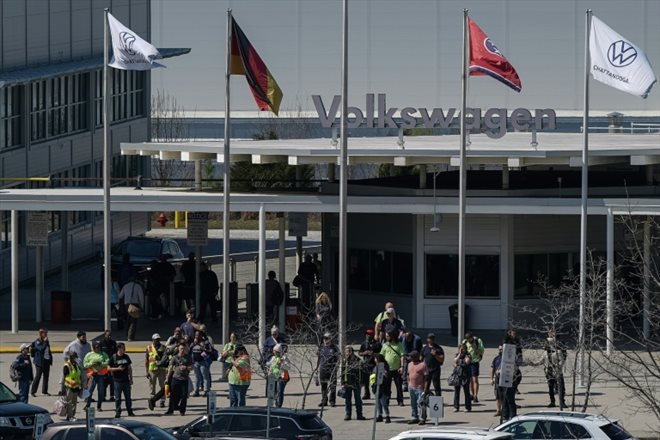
{"x": 239, "y": 377}
{"x": 21, "y": 373}
{"x": 462, "y": 371}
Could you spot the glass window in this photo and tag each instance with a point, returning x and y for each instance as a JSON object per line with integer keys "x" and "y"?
{"x": 77, "y": 433}
{"x": 402, "y": 272}
{"x": 482, "y": 275}
{"x": 128, "y": 95}
{"x": 112, "y": 433}
{"x": 358, "y": 269}
{"x": 381, "y": 271}
{"x": 11, "y": 116}
{"x": 614, "y": 431}
{"x": 247, "y": 422}
{"x": 521, "y": 430}
{"x": 530, "y": 269}
{"x": 59, "y": 106}
{"x": 310, "y": 422}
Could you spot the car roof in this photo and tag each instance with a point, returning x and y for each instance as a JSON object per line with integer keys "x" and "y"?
{"x": 485, "y": 433}
{"x": 262, "y": 410}
{"x": 573, "y": 415}
{"x": 127, "y": 423}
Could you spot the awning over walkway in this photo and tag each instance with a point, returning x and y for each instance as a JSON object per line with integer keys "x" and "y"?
{"x": 514, "y": 150}
{"x": 148, "y": 200}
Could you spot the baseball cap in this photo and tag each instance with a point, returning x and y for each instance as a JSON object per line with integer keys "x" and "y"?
{"x": 155, "y": 336}
{"x": 430, "y": 336}
{"x": 370, "y": 331}
{"x": 327, "y": 335}
{"x": 278, "y": 348}
{"x": 24, "y": 346}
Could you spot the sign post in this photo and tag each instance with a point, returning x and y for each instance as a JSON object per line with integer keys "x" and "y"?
{"x": 39, "y": 425}
{"x": 90, "y": 422}
{"x": 211, "y": 403}
{"x": 507, "y": 371}
{"x": 436, "y": 408}
{"x": 380, "y": 373}
{"x": 270, "y": 392}
{"x": 198, "y": 236}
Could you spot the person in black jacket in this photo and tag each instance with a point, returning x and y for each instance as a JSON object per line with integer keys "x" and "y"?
{"x": 328, "y": 361}
{"x": 208, "y": 283}
{"x": 23, "y": 365}
{"x": 351, "y": 381}
{"x": 368, "y": 350}
{"x": 42, "y": 358}
{"x": 109, "y": 347}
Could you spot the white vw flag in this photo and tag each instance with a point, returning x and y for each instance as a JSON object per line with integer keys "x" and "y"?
{"x": 129, "y": 51}
{"x": 617, "y": 62}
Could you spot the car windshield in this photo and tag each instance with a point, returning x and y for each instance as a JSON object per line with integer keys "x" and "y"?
{"x": 614, "y": 431}
{"x": 6, "y": 394}
{"x": 143, "y": 248}
{"x": 150, "y": 432}
{"x": 310, "y": 422}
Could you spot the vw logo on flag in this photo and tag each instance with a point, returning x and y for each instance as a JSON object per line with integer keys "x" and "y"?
{"x": 621, "y": 53}
{"x": 127, "y": 40}
{"x": 490, "y": 47}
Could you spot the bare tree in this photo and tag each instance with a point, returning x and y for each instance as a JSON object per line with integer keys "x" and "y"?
{"x": 168, "y": 125}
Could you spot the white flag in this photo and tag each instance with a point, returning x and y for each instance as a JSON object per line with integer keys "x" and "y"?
{"x": 617, "y": 62}
{"x": 129, "y": 51}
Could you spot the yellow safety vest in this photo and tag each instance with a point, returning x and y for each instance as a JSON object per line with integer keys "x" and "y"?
{"x": 72, "y": 380}
{"x": 153, "y": 354}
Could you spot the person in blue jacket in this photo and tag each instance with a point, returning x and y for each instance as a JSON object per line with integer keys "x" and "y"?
{"x": 23, "y": 365}
{"x": 42, "y": 358}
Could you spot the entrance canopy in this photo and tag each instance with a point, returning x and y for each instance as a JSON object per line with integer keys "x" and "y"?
{"x": 514, "y": 150}
{"x": 158, "y": 199}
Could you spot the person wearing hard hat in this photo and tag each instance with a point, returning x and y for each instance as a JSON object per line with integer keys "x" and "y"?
{"x": 21, "y": 370}
{"x": 156, "y": 364}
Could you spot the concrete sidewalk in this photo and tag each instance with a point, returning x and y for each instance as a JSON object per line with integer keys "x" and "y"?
{"x": 607, "y": 396}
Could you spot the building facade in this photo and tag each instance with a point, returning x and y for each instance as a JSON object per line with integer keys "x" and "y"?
{"x": 51, "y": 121}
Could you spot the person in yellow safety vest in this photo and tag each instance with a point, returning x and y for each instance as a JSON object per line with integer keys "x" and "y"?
{"x": 156, "y": 366}
{"x": 72, "y": 384}
{"x": 239, "y": 376}
{"x": 96, "y": 362}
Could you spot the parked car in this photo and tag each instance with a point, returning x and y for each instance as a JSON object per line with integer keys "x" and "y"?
{"x": 107, "y": 429}
{"x": 452, "y": 433}
{"x": 17, "y": 419}
{"x": 142, "y": 251}
{"x": 564, "y": 425}
{"x": 249, "y": 421}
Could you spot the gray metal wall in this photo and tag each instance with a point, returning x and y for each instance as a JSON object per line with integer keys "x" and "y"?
{"x": 38, "y": 32}
{"x": 409, "y": 49}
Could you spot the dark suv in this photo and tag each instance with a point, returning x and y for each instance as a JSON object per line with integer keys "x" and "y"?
{"x": 251, "y": 421}
{"x": 142, "y": 251}
{"x": 17, "y": 418}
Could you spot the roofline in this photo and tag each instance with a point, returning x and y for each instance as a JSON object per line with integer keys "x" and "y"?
{"x": 149, "y": 200}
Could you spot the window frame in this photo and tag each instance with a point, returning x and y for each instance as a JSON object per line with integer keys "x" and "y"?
{"x": 12, "y": 117}
{"x": 453, "y": 260}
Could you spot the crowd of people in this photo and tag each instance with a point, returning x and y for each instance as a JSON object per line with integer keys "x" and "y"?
{"x": 102, "y": 370}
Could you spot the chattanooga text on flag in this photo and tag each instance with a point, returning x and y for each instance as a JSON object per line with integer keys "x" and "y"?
{"x": 617, "y": 62}
{"x": 129, "y": 51}
{"x": 486, "y": 59}
{"x": 246, "y": 61}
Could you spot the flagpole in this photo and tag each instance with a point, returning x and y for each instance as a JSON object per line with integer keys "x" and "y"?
{"x": 462, "y": 187}
{"x": 107, "y": 232}
{"x": 584, "y": 198}
{"x": 226, "y": 192}
{"x": 343, "y": 180}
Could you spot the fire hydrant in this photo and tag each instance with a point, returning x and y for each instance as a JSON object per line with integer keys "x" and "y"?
{"x": 162, "y": 219}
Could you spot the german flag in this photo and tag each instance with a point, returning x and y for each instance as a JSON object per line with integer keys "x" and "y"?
{"x": 246, "y": 61}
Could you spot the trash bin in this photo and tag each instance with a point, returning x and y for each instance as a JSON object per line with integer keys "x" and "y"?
{"x": 453, "y": 318}
{"x": 292, "y": 317}
{"x": 60, "y": 307}
{"x": 233, "y": 299}
{"x": 252, "y": 300}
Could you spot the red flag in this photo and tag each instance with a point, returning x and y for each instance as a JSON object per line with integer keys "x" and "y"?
{"x": 486, "y": 59}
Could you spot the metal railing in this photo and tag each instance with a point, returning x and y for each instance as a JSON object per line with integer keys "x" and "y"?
{"x": 635, "y": 128}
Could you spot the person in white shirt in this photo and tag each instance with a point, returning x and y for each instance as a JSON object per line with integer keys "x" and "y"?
{"x": 133, "y": 296}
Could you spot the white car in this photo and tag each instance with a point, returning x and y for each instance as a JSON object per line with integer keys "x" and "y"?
{"x": 564, "y": 425}
{"x": 452, "y": 433}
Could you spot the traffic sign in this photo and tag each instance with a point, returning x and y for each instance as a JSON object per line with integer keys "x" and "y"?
{"x": 37, "y": 228}
{"x": 297, "y": 224}
{"x": 380, "y": 373}
{"x": 507, "y": 365}
{"x": 436, "y": 407}
{"x": 198, "y": 228}
{"x": 39, "y": 425}
{"x": 211, "y": 403}
{"x": 90, "y": 421}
